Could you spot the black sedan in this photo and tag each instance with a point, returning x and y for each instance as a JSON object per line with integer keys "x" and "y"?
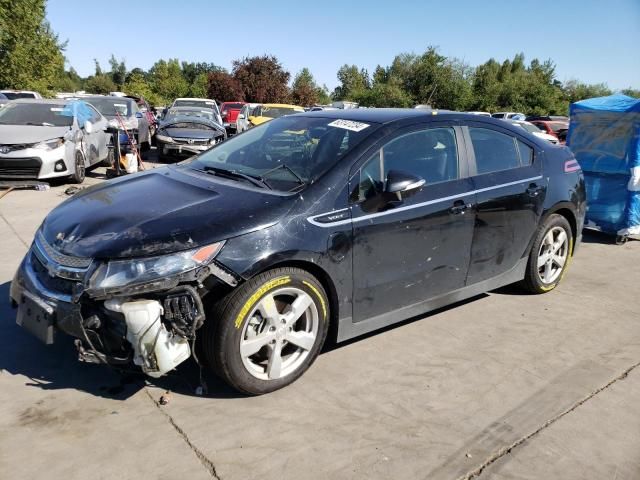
{"x": 186, "y": 132}
{"x": 353, "y": 220}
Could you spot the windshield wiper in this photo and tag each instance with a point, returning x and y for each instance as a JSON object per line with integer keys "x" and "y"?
{"x": 254, "y": 179}
{"x": 286, "y": 167}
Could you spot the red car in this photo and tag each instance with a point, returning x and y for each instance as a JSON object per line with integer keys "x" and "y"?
{"x": 551, "y": 127}
{"x": 229, "y": 112}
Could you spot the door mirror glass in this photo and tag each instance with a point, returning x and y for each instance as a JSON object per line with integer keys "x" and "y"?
{"x": 138, "y": 115}
{"x": 241, "y": 116}
{"x": 401, "y": 182}
{"x": 88, "y": 127}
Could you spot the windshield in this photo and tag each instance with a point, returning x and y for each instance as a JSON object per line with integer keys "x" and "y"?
{"x": 110, "y": 106}
{"x": 194, "y": 103}
{"x": 172, "y": 113}
{"x": 232, "y": 106}
{"x": 42, "y": 114}
{"x": 277, "y": 112}
{"x": 16, "y": 95}
{"x": 288, "y": 152}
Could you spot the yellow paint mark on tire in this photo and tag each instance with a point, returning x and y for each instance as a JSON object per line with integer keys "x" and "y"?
{"x": 271, "y": 284}
{"x": 315, "y": 290}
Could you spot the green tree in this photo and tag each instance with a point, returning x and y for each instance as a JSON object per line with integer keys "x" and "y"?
{"x": 304, "y": 90}
{"x": 574, "y": 90}
{"x": 30, "y": 52}
{"x": 199, "y": 86}
{"x": 100, "y": 84}
{"x": 353, "y": 83}
{"x": 118, "y": 71}
{"x": 262, "y": 79}
{"x": 191, "y": 70}
{"x": 167, "y": 80}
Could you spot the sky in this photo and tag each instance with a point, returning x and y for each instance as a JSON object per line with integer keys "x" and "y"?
{"x": 590, "y": 40}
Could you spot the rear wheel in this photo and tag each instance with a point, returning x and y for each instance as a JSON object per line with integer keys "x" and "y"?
{"x": 267, "y": 332}
{"x": 79, "y": 173}
{"x": 550, "y": 255}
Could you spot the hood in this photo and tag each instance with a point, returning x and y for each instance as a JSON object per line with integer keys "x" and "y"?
{"x": 259, "y": 120}
{"x": 18, "y": 134}
{"x": 161, "y": 211}
{"x": 190, "y": 119}
{"x": 191, "y": 132}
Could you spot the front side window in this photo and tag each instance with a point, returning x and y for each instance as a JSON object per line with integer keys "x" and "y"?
{"x": 429, "y": 154}
{"x": 494, "y": 151}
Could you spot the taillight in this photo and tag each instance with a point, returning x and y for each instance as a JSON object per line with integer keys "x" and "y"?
{"x": 571, "y": 166}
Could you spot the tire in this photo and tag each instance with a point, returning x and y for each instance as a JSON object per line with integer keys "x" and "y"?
{"x": 110, "y": 161}
{"x": 246, "y": 330}
{"x": 79, "y": 173}
{"x": 550, "y": 255}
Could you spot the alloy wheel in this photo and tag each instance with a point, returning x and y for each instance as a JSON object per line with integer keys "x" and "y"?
{"x": 553, "y": 255}
{"x": 280, "y": 333}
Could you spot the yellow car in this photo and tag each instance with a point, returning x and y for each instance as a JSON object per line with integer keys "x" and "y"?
{"x": 268, "y": 111}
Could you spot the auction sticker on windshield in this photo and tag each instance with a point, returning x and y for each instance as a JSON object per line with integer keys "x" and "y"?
{"x": 349, "y": 125}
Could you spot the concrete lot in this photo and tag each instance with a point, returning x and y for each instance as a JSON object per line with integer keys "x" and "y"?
{"x": 506, "y": 386}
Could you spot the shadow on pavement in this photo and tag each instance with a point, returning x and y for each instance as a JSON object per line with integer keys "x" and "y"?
{"x": 54, "y": 367}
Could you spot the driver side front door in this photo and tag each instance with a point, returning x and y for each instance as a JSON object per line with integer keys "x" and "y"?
{"x": 411, "y": 249}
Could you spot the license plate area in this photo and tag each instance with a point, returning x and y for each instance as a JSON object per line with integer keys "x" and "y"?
{"x": 37, "y": 317}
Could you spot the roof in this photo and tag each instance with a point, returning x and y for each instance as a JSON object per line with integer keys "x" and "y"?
{"x": 611, "y": 103}
{"x": 195, "y": 98}
{"x": 52, "y": 101}
{"x": 384, "y": 115}
{"x": 281, "y": 105}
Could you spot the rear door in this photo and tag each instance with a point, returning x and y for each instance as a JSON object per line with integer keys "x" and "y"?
{"x": 415, "y": 248}
{"x": 506, "y": 170}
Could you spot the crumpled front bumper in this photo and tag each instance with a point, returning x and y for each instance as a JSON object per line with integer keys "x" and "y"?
{"x": 66, "y": 315}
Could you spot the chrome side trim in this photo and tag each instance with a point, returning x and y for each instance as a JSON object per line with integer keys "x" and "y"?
{"x": 312, "y": 219}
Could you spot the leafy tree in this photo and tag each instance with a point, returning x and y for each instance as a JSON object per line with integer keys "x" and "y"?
{"x": 262, "y": 79}
{"x": 631, "y": 92}
{"x": 100, "y": 84}
{"x": 223, "y": 87}
{"x": 199, "y": 86}
{"x": 353, "y": 82}
{"x": 118, "y": 71}
{"x": 574, "y": 91}
{"x": 191, "y": 70}
{"x": 167, "y": 80}
{"x": 304, "y": 90}
{"x": 324, "y": 98}
{"x": 30, "y": 52}
{"x": 138, "y": 85}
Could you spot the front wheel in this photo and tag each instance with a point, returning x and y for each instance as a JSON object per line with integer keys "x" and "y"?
{"x": 268, "y": 331}
{"x": 79, "y": 173}
{"x": 550, "y": 255}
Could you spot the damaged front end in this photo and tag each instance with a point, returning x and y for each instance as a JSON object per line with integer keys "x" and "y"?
{"x": 144, "y": 311}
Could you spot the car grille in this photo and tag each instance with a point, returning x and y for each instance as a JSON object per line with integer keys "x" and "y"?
{"x": 15, "y": 147}
{"x": 20, "y": 167}
{"x": 59, "y": 258}
{"x": 56, "y": 284}
{"x": 191, "y": 141}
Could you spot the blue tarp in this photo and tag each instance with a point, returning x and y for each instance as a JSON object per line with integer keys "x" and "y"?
{"x": 604, "y": 135}
{"x": 78, "y": 109}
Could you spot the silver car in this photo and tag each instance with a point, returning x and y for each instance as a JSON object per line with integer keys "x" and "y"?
{"x": 43, "y": 139}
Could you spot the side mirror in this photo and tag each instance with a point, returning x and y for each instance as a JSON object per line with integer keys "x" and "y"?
{"x": 241, "y": 117}
{"x": 401, "y": 182}
{"x": 88, "y": 127}
{"x": 138, "y": 114}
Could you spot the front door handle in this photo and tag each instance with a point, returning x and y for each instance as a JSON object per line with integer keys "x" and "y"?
{"x": 459, "y": 207}
{"x": 534, "y": 190}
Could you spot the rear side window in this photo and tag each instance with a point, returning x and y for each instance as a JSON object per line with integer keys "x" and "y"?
{"x": 526, "y": 153}
{"x": 494, "y": 151}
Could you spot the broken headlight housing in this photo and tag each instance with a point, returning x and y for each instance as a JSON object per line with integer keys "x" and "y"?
{"x": 49, "y": 144}
{"x": 159, "y": 271}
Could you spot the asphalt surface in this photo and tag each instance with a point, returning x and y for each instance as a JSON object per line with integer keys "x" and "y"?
{"x": 505, "y": 386}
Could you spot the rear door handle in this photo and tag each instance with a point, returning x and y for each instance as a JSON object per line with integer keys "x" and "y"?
{"x": 534, "y": 190}
{"x": 459, "y": 207}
